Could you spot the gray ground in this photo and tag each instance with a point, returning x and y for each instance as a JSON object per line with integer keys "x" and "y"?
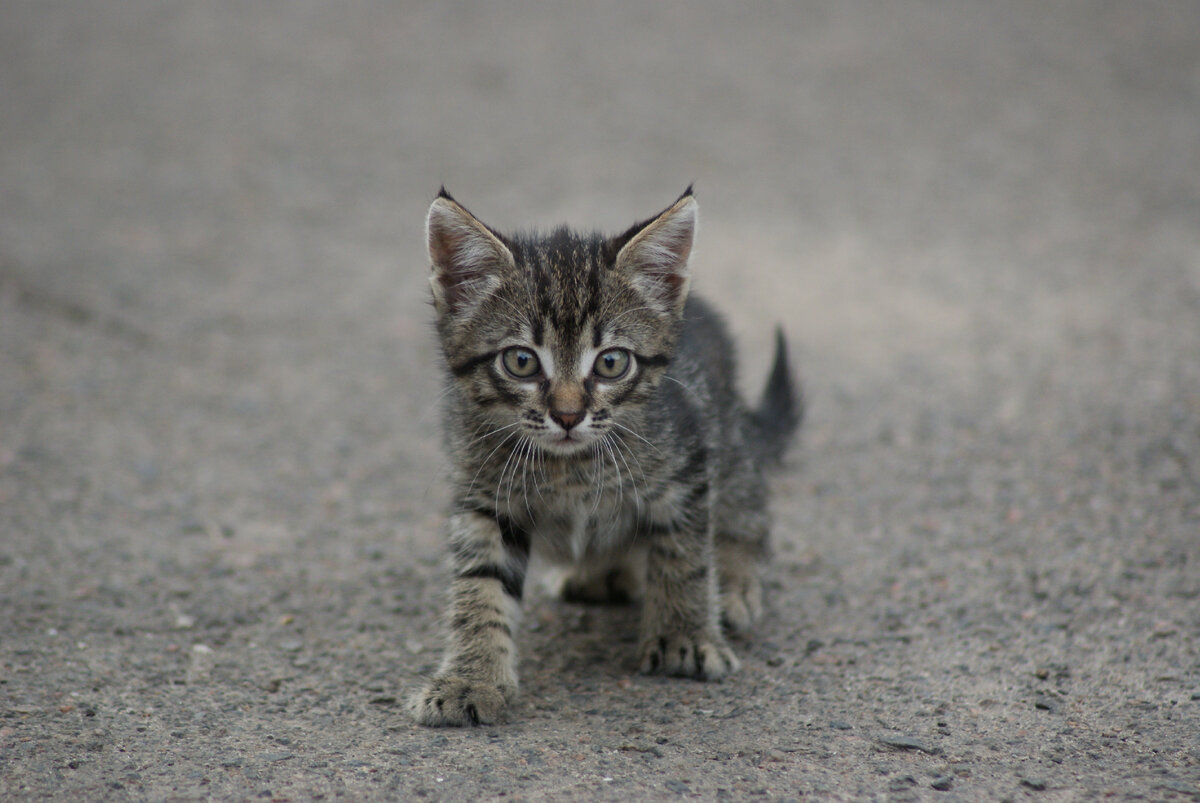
{"x": 220, "y": 506}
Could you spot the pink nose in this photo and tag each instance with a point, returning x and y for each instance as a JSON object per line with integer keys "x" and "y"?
{"x": 566, "y": 420}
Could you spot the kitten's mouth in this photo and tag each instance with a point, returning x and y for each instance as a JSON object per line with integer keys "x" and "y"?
{"x": 564, "y": 444}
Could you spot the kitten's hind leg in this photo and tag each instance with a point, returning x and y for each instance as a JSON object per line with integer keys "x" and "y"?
{"x": 739, "y": 565}
{"x": 742, "y": 545}
{"x": 611, "y": 582}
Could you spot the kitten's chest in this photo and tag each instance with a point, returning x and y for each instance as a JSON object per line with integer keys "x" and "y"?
{"x": 580, "y": 512}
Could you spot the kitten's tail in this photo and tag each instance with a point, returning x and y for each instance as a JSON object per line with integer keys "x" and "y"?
{"x": 780, "y": 411}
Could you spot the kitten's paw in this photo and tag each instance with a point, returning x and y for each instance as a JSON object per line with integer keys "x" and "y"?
{"x": 703, "y": 658}
{"x": 741, "y": 603}
{"x": 617, "y": 586}
{"x": 452, "y": 700}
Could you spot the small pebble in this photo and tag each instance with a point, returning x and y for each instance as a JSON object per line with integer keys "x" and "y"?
{"x": 1046, "y": 704}
{"x": 942, "y": 783}
{"x": 906, "y": 743}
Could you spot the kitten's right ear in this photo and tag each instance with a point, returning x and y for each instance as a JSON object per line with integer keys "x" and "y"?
{"x": 466, "y": 257}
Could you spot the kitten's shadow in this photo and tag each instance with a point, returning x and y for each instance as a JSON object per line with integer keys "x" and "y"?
{"x": 579, "y": 639}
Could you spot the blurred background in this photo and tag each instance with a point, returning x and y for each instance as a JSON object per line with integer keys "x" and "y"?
{"x": 972, "y": 200}
{"x": 977, "y": 222}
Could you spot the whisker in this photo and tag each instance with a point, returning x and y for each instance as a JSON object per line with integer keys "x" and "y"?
{"x": 434, "y": 407}
{"x": 597, "y": 487}
{"x": 486, "y": 435}
{"x": 616, "y": 318}
{"x": 503, "y": 472}
{"x": 613, "y": 454}
{"x": 540, "y": 454}
{"x": 638, "y": 435}
{"x": 526, "y": 456}
{"x": 518, "y": 313}
{"x": 618, "y": 443}
{"x": 483, "y": 463}
{"x": 685, "y": 387}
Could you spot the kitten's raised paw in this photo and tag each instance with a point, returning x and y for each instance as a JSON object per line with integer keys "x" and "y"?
{"x": 452, "y": 700}
{"x": 702, "y": 658}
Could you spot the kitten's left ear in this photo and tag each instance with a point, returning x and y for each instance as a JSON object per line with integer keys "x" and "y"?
{"x": 656, "y": 257}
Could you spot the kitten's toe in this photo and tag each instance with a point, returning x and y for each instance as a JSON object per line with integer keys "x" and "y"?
{"x": 703, "y": 658}
{"x": 458, "y": 701}
{"x": 741, "y": 604}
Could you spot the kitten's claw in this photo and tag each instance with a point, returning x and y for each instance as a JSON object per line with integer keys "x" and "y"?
{"x": 687, "y": 656}
{"x": 452, "y": 700}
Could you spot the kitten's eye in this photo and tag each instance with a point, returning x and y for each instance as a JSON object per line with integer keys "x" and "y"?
{"x": 520, "y": 363}
{"x": 612, "y": 364}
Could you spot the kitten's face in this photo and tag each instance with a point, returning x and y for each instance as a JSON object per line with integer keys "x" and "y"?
{"x": 554, "y": 341}
{"x": 563, "y": 392}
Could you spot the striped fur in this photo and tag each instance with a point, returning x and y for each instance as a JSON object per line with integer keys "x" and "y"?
{"x": 591, "y": 416}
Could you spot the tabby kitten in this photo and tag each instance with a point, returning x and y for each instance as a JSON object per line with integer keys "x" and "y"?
{"x": 591, "y": 415}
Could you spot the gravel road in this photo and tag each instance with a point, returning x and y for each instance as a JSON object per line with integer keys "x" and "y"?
{"x": 220, "y": 495}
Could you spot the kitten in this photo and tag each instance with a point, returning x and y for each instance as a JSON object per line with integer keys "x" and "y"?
{"x": 591, "y": 414}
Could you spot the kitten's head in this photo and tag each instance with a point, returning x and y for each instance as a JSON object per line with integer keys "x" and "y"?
{"x": 557, "y": 338}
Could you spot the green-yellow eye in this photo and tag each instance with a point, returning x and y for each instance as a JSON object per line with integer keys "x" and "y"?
{"x": 520, "y": 363}
{"x": 612, "y": 364}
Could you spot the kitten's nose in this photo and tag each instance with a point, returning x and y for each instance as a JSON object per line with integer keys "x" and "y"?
{"x": 567, "y": 419}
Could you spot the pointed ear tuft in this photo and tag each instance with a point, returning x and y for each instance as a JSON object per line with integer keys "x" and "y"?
{"x": 467, "y": 258}
{"x": 655, "y": 259}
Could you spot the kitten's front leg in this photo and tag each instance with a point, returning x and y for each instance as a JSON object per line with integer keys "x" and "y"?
{"x": 478, "y": 675}
{"x": 681, "y": 630}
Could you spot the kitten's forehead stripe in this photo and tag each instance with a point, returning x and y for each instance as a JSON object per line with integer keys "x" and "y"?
{"x": 565, "y": 271}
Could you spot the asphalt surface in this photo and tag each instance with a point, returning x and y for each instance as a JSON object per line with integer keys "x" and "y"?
{"x": 220, "y": 495}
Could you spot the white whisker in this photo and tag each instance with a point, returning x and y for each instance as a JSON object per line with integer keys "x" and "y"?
{"x": 614, "y": 454}
{"x": 486, "y": 435}
{"x": 483, "y": 463}
{"x": 597, "y": 487}
{"x": 503, "y": 471}
{"x": 526, "y": 456}
{"x": 638, "y": 435}
{"x": 685, "y": 387}
{"x": 618, "y": 444}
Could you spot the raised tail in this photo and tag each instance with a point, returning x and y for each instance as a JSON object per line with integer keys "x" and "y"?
{"x": 780, "y": 410}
